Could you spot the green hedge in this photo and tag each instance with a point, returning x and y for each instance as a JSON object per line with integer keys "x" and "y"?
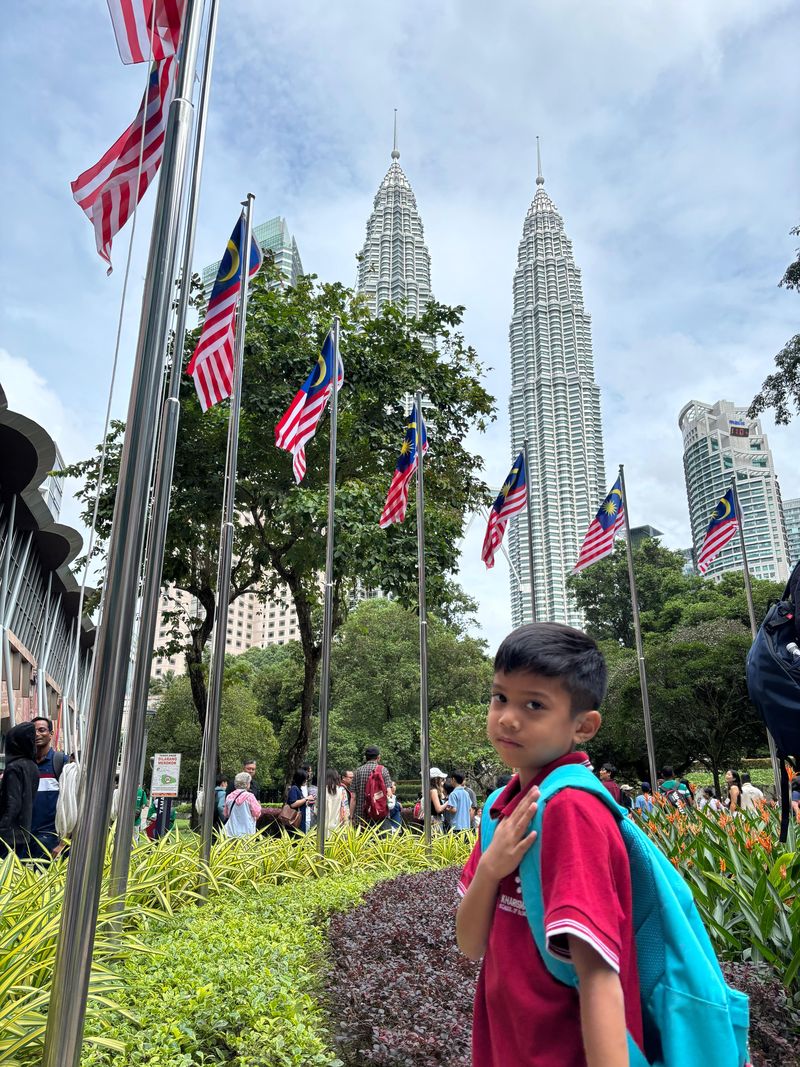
{"x": 234, "y": 982}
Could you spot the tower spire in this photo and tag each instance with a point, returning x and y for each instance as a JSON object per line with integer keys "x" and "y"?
{"x": 539, "y": 178}
{"x": 395, "y": 153}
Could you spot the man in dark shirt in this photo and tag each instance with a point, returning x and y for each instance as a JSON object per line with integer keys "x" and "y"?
{"x": 606, "y": 776}
{"x": 248, "y": 765}
{"x": 46, "y": 842}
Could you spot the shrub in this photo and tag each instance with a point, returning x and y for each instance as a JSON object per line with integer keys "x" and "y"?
{"x": 393, "y": 1010}
{"x": 232, "y": 984}
{"x": 774, "y": 1024}
{"x": 165, "y": 879}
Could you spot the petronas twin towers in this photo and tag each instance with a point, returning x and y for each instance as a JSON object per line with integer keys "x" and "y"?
{"x": 555, "y": 401}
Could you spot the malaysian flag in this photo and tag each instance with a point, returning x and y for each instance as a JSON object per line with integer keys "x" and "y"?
{"x": 513, "y": 497}
{"x": 146, "y": 29}
{"x": 724, "y": 524}
{"x": 211, "y": 365}
{"x": 599, "y": 540}
{"x": 394, "y": 510}
{"x": 298, "y": 424}
{"x": 108, "y": 192}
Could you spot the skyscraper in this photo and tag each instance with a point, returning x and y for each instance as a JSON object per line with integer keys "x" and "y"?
{"x": 274, "y": 238}
{"x": 555, "y": 406}
{"x": 394, "y": 264}
{"x": 720, "y": 441}
{"x": 791, "y": 516}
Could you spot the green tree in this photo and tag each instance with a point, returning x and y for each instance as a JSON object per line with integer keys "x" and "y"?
{"x": 699, "y": 704}
{"x": 375, "y": 685}
{"x": 280, "y": 536}
{"x": 458, "y": 740}
{"x": 243, "y": 732}
{"x": 781, "y": 390}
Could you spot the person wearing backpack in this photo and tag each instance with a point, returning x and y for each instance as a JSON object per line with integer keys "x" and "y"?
{"x": 550, "y": 891}
{"x": 370, "y": 804}
{"x": 45, "y": 841}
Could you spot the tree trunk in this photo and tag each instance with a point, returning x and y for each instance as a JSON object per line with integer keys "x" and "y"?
{"x": 299, "y": 747}
{"x": 194, "y": 663}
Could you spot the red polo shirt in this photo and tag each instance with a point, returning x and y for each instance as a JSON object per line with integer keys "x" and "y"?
{"x": 523, "y": 1016}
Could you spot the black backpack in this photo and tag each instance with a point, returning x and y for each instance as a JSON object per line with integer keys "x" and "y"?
{"x": 773, "y": 680}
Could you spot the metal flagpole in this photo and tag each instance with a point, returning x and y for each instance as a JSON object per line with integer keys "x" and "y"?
{"x": 133, "y": 752}
{"x": 67, "y": 1010}
{"x": 637, "y": 629}
{"x": 327, "y": 618}
{"x": 211, "y": 732}
{"x": 424, "y": 725}
{"x": 773, "y": 752}
{"x": 530, "y": 526}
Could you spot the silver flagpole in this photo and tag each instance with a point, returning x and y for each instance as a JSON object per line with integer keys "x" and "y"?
{"x": 424, "y": 724}
{"x": 133, "y": 753}
{"x": 327, "y": 616}
{"x": 773, "y": 752}
{"x": 530, "y": 527}
{"x": 637, "y": 629}
{"x": 67, "y": 1011}
{"x": 211, "y": 732}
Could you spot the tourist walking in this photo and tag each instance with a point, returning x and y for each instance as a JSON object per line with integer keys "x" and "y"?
{"x": 606, "y": 776}
{"x": 644, "y": 803}
{"x": 46, "y": 843}
{"x": 347, "y": 797}
{"x": 394, "y": 820}
{"x": 438, "y": 800}
{"x": 18, "y": 790}
{"x": 241, "y": 808}
{"x": 460, "y": 805}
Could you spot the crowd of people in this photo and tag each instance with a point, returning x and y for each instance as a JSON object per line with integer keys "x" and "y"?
{"x": 29, "y": 791}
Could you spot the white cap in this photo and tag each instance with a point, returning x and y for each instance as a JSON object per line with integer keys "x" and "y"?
{"x": 436, "y": 773}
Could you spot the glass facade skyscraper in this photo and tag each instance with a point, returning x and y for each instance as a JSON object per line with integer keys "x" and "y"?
{"x": 274, "y": 238}
{"x": 555, "y": 406}
{"x": 791, "y": 516}
{"x": 720, "y": 442}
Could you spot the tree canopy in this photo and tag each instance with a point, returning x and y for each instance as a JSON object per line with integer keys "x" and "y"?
{"x": 280, "y": 535}
{"x": 781, "y": 389}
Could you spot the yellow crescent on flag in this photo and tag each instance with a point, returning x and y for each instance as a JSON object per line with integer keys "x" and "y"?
{"x": 322, "y": 371}
{"x": 234, "y": 253}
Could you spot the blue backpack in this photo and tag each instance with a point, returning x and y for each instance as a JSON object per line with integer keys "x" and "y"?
{"x": 773, "y": 680}
{"x": 690, "y": 1015}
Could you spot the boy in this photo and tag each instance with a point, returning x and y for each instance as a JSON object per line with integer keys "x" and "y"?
{"x": 549, "y": 681}
{"x": 459, "y": 805}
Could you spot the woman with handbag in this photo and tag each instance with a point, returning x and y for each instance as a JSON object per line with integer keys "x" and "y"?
{"x": 296, "y": 812}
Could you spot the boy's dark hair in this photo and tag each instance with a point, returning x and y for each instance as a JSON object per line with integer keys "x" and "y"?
{"x": 557, "y": 651}
{"x": 371, "y": 752}
{"x": 745, "y": 777}
{"x": 221, "y": 778}
{"x": 668, "y": 770}
{"x": 458, "y": 777}
{"x": 610, "y": 769}
{"x": 43, "y": 718}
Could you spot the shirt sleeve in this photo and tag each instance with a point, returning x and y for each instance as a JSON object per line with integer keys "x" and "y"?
{"x": 255, "y": 807}
{"x": 470, "y": 867}
{"x": 580, "y": 842}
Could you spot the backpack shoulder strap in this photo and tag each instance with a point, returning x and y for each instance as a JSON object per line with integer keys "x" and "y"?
{"x": 59, "y": 759}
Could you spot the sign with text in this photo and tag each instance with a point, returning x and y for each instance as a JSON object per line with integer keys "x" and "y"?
{"x": 166, "y": 774}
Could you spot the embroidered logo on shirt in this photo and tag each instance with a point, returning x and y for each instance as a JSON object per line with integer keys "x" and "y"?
{"x": 511, "y": 904}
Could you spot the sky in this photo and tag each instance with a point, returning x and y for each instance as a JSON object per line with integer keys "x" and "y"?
{"x": 670, "y": 146}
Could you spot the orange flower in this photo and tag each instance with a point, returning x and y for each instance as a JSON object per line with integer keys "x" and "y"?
{"x": 722, "y": 867}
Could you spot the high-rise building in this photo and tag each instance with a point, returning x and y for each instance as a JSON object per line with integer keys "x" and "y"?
{"x": 252, "y": 623}
{"x": 791, "y": 517}
{"x": 274, "y": 238}
{"x": 394, "y": 264}
{"x": 720, "y": 442}
{"x": 555, "y": 406}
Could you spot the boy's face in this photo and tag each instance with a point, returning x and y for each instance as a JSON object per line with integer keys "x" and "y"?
{"x": 530, "y": 722}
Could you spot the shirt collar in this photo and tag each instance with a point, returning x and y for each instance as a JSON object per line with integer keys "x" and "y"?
{"x": 512, "y": 794}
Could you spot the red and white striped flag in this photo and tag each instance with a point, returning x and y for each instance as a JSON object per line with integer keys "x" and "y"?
{"x": 298, "y": 424}
{"x": 108, "y": 192}
{"x": 211, "y": 364}
{"x": 135, "y": 21}
{"x": 724, "y": 524}
{"x": 394, "y": 510}
{"x": 599, "y": 540}
{"x": 512, "y": 498}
